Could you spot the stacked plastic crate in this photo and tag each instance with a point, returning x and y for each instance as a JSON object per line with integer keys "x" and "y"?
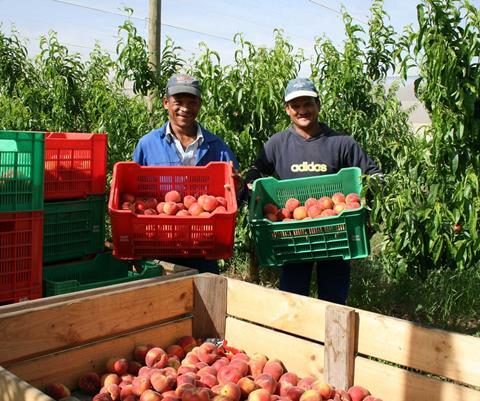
{"x": 21, "y": 215}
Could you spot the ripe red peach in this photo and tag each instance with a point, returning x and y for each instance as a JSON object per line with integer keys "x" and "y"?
{"x": 222, "y": 201}
{"x": 195, "y": 209}
{"x": 246, "y": 385}
{"x": 89, "y": 383}
{"x": 267, "y": 382}
{"x": 257, "y": 363}
{"x": 145, "y": 371}
{"x": 190, "y": 359}
{"x": 58, "y": 390}
{"x": 205, "y": 214}
{"x": 117, "y": 365}
{"x": 342, "y": 395}
{"x": 306, "y": 383}
{"x": 127, "y": 391}
{"x": 170, "y": 208}
{"x": 327, "y": 213}
{"x": 140, "y": 384}
{"x": 231, "y": 391}
{"x": 210, "y": 203}
{"x": 196, "y": 394}
{"x": 310, "y": 395}
{"x": 241, "y": 365}
{"x": 314, "y": 211}
{"x": 161, "y": 382}
{"x": 150, "y": 395}
{"x": 240, "y": 355}
{"x": 173, "y": 196}
{"x": 160, "y": 207}
{"x": 201, "y": 200}
{"x": 222, "y": 361}
{"x": 151, "y": 203}
{"x": 271, "y": 217}
{"x": 228, "y": 374}
{"x": 207, "y": 370}
{"x": 113, "y": 390}
{"x": 208, "y": 353}
{"x": 220, "y": 209}
{"x": 128, "y": 206}
{"x": 310, "y": 202}
{"x": 371, "y": 398}
{"x": 274, "y": 367}
{"x": 289, "y": 377}
{"x": 150, "y": 212}
{"x": 182, "y": 213}
{"x": 300, "y": 213}
{"x": 180, "y": 206}
{"x": 102, "y": 397}
{"x": 270, "y": 208}
{"x": 339, "y": 207}
{"x": 352, "y": 197}
{"x": 156, "y": 358}
{"x": 357, "y": 393}
{"x": 189, "y": 200}
{"x": 208, "y": 380}
{"x": 293, "y": 393}
{"x": 108, "y": 378}
{"x": 175, "y": 349}
{"x": 352, "y": 205}
{"x": 283, "y": 214}
{"x": 139, "y": 206}
{"x": 291, "y": 204}
{"x": 326, "y": 390}
{"x": 338, "y": 197}
{"x": 183, "y": 369}
{"x": 259, "y": 395}
{"x": 325, "y": 202}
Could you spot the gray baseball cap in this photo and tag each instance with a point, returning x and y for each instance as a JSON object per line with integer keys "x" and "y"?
{"x": 183, "y": 83}
{"x": 299, "y": 87}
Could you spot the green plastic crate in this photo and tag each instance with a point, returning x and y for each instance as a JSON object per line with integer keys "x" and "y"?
{"x": 21, "y": 171}
{"x": 338, "y": 237}
{"x": 101, "y": 271}
{"x": 73, "y": 229}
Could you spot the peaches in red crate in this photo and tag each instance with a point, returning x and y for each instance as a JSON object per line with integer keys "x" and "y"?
{"x": 174, "y": 204}
{"x": 312, "y": 208}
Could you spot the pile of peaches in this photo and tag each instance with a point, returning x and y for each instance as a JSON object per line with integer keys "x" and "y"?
{"x": 313, "y": 208}
{"x": 192, "y": 371}
{"x": 173, "y": 204}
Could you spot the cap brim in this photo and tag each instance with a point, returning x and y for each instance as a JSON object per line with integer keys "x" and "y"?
{"x": 183, "y": 89}
{"x": 296, "y": 94}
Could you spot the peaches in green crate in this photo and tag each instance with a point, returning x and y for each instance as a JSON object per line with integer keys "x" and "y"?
{"x": 312, "y": 208}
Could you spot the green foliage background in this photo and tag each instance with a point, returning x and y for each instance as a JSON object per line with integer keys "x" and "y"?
{"x": 432, "y": 177}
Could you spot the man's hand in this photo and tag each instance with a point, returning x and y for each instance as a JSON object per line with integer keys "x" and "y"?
{"x": 237, "y": 179}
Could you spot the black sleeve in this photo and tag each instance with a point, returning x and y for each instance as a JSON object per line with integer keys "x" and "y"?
{"x": 261, "y": 167}
{"x": 356, "y": 157}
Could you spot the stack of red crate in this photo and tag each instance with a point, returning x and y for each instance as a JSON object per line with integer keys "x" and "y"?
{"x": 21, "y": 215}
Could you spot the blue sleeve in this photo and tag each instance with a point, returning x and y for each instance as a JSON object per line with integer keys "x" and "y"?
{"x": 138, "y": 155}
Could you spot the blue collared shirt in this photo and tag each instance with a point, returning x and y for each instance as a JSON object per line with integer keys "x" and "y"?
{"x": 188, "y": 155}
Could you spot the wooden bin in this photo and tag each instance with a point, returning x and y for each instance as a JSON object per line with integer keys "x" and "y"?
{"x": 59, "y": 338}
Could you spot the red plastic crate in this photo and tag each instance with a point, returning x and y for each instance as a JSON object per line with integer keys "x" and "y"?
{"x": 75, "y": 165}
{"x": 21, "y": 243}
{"x": 142, "y": 236}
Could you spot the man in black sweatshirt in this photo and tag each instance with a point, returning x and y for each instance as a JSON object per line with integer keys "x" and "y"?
{"x": 308, "y": 148}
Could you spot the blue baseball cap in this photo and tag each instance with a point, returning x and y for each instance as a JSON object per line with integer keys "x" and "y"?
{"x": 183, "y": 83}
{"x": 299, "y": 87}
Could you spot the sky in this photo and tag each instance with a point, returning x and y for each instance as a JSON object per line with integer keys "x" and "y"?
{"x": 81, "y": 23}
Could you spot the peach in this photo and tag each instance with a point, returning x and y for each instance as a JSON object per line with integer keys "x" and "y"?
{"x": 310, "y": 395}
{"x": 128, "y": 206}
{"x": 173, "y": 196}
{"x": 371, "y": 398}
{"x": 231, "y": 391}
{"x": 259, "y": 395}
{"x": 314, "y": 211}
{"x": 209, "y": 380}
{"x": 300, "y": 213}
{"x": 289, "y": 377}
{"x": 357, "y": 393}
{"x": 173, "y": 362}
{"x": 89, "y": 383}
{"x": 196, "y": 394}
{"x": 352, "y": 205}
{"x": 127, "y": 197}
{"x": 267, "y": 382}
{"x": 222, "y": 201}
{"x": 160, "y": 207}
{"x": 201, "y": 199}
{"x": 183, "y": 213}
{"x": 271, "y": 217}
{"x": 342, "y": 395}
{"x": 240, "y": 355}
{"x": 126, "y": 391}
{"x": 188, "y": 378}
{"x": 283, "y": 214}
{"x": 257, "y": 363}
{"x": 190, "y": 359}
{"x": 222, "y": 361}
{"x": 140, "y": 384}
{"x": 247, "y": 385}
{"x": 57, "y": 390}
{"x": 113, "y": 390}
{"x": 183, "y": 369}
{"x": 293, "y": 393}
{"x": 195, "y": 209}
{"x": 181, "y": 388}
{"x": 150, "y": 212}
{"x": 150, "y": 395}
{"x": 274, "y": 368}
{"x": 220, "y": 397}
{"x": 170, "y": 208}
{"x": 228, "y": 374}
{"x": 324, "y": 389}
{"x": 161, "y": 382}
{"x": 117, "y": 365}
{"x": 352, "y": 197}
{"x": 110, "y": 378}
{"x": 177, "y": 350}
{"x": 139, "y": 206}
{"x": 270, "y": 208}
{"x": 291, "y": 204}
{"x": 241, "y": 365}
{"x": 180, "y": 206}
{"x": 156, "y": 358}
{"x": 205, "y": 214}
{"x": 325, "y": 202}
{"x": 306, "y": 383}
{"x": 210, "y": 203}
{"x": 189, "y": 200}
{"x": 207, "y": 370}
{"x": 145, "y": 371}
{"x": 220, "y": 209}
{"x": 338, "y": 197}
{"x": 134, "y": 367}
{"x": 151, "y": 203}
{"x": 128, "y": 378}
{"x": 310, "y": 202}
{"x": 170, "y": 371}
{"x": 339, "y": 207}
{"x": 170, "y": 398}
{"x": 102, "y": 397}
{"x": 327, "y": 213}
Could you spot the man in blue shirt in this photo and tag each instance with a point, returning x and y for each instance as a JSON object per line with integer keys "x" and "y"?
{"x": 307, "y": 148}
{"x": 182, "y": 141}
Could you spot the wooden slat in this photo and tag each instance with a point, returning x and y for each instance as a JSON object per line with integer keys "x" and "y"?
{"x": 36, "y": 303}
{"x": 300, "y": 356}
{"x": 280, "y": 310}
{"x": 395, "y": 384}
{"x": 14, "y": 389}
{"x": 210, "y": 305}
{"x": 436, "y": 351}
{"x": 65, "y": 324}
{"x": 339, "y": 346}
{"x": 66, "y": 366}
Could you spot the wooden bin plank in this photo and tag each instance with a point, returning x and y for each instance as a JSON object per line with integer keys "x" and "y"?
{"x": 14, "y": 389}
{"x": 210, "y": 305}
{"x": 395, "y": 384}
{"x": 339, "y": 346}
{"x": 53, "y": 327}
{"x": 292, "y": 313}
{"x": 298, "y": 355}
{"x": 67, "y": 366}
{"x": 440, "y": 352}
